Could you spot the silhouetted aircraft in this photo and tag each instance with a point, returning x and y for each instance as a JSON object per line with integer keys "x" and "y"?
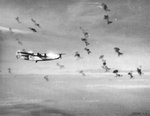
{"x": 85, "y": 41}
{"x": 107, "y": 18}
{"x": 60, "y": 66}
{"x": 32, "y": 29}
{"x": 46, "y": 78}
{"x": 82, "y": 72}
{"x": 130, "y": 74}
{"x": 101, "y": 57}
{"x": 29, "y": 55}
{"x": 104, "y": 62}
{"x": 34, "y": 21}
{"x": 101, "y": 5}
{"x": 105, "y": 7}
{"x": 18, "y": 20}
{"x": 139, "y": 70}
{"x": 88, "y": 50}
{"x": 116, "y": 72}
{"x": 106, "y": 68}
{"x": 9, "y": 70}
{"x": 19, "y": 42}
{"x": 85, "y": 33}
{"x": 77, "y": 55}
{"x": 117, "y": 50}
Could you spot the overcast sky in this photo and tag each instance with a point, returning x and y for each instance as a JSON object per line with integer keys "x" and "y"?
{"x": 60, "y": 21}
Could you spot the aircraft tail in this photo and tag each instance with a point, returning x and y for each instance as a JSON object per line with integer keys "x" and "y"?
{"x": 61, "y": 55}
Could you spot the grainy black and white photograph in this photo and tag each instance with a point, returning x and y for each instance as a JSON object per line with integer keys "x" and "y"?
{"x": 74, "y": 57}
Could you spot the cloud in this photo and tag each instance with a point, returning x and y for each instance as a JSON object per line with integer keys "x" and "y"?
{"x": 32, "y": 109}
{"x": 6, "y": 29}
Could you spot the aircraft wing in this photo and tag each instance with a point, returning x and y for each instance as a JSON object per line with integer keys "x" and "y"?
{"x": 26, "y": 53}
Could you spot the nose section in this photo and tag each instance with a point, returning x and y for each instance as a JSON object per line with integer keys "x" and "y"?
{"x": 18, "y": 54}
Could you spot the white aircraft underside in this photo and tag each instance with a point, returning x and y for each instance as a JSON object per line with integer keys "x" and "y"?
{"x": 29, "y": 55}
